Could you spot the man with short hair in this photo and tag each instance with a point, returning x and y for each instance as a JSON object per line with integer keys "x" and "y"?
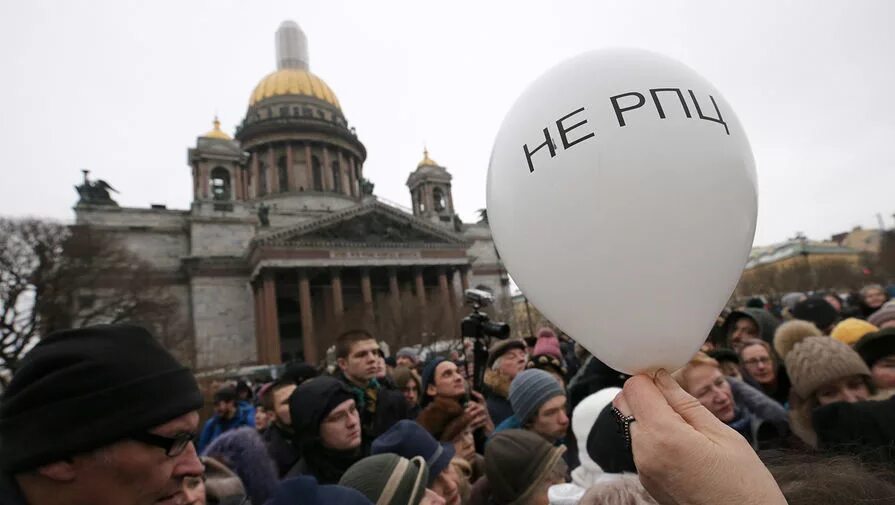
{"x": 100, "y": 415}
{"x": 539, "y": 405}
{"x": 409, "y": 440}
{"x": 358, "y": 357}
{"x": 228, "y": 415}
{"x": 327, "y": 429}
{"x": 279, "y": 435}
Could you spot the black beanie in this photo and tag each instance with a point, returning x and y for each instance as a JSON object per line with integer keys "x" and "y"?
{"x": 79, "y": 390}
{"x": 606, "y": 444}
{"x": 311, "y": 402}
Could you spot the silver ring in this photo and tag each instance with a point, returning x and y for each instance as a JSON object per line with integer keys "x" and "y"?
{"x": 624, "y": 425}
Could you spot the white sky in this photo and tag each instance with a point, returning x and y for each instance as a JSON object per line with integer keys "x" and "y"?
{"x": 124, "y": 87}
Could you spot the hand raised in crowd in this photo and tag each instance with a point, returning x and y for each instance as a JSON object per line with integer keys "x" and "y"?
{"x": 479, "y": 413}
{"x": 684, "y": 454}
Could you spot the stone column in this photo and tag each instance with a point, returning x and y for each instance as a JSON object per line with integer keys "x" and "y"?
{"x": 419, "y": 285}
{"x": 453, "y": 283}
{"x": 309, "y": 344}
{"x": 203, "y": 182}
{"x": 394, "y": 292}
{"x": 464, "y": 277}
{"x": 445, "y": 293}
{"x": 309, "y": 168}
{"x": 272, "y": 335}
{"x": 366, "y": 289}
{"x": 273, "y": 172}
{"x": 254, "y": 178}
{"x": 328, "y": 184}
{"x": 259, "y": 322}
{"x": 335, "y": 280}
{"x": 349, "y": 164}
{"x": 290, "y": 170}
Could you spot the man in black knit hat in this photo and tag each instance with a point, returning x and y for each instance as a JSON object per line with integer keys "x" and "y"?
{"x": 99, "y": 415}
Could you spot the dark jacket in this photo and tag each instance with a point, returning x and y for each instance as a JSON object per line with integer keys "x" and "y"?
{"x": 282, "y": 449}
{"x": 864, "y": 428}
{"x": 780, "y": 394}
{"x": 10, "y": 494}
{"x": 391, "y": 407}
{"x": 594, "y": 376}
{"x": 325, "y": 465}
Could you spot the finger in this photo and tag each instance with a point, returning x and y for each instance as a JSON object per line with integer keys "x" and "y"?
{"x": 685, "y": 405}
{"x": 641, "y": 398}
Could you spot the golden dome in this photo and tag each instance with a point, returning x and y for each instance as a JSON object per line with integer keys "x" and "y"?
{"x": 293, "y": 81}
{"x": 216, "y": 132}
{"x": 427, "y": 161}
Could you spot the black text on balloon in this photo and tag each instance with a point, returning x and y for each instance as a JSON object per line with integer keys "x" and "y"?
{"x": 564, "y": 129}
{"x": 626, "y": 102}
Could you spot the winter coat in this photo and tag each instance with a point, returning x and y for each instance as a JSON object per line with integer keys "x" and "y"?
{"x": 282, "y": 449}
{"x": 497, "y": 394}
{"x": 760, "y": 419}
{"x": 214, "y": 427}
{"x": 10, "y": 494}
{"x": 864, "y": 428}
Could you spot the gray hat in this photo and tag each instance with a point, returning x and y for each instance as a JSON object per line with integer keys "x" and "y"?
{"x": 407, "y": 352}
{"x": 387, "y": 479}
{"x": 530, "y": 389}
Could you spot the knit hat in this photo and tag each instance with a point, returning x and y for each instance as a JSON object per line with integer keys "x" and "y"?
{"x": 877, "y": 345}
{"x": 408, "y": 439}
{"x": 548, "y": 363}
{"x": 428, "y": 377}
{"x": 516, "y": 464}
{"x": 306, "y": 491}
{"x": 407, "y": 352}
{"x": 311, "y": 402}
{"x": 815, "y": 361}
{"x": 500, "y": 348}
{"x": 816, "y": 310}
{"x": 547, "y": 344}
{"x": 792, "y": 332}
{"x": 225, "y": 394}
{"x": 298, "y": 372}
{"x": 723, "y": 354}
{"x": 882, "y": 316}
{"x": 389, "y": 479}
{"x": 851, "y": 330}
{"x": 79, "y": 390}
{"x": 531, "y": 389}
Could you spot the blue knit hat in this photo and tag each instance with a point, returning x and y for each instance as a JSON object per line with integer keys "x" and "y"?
{"x": 530, "y": 389}
{"x": 428, "y": 377}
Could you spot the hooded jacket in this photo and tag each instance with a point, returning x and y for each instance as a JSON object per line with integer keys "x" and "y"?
{"x": 308, "y": 406}
{"x": 282, "y": 448}
{"x": 766, "y": 322}
{"x": 584, "y": 417}
{"x": 760, "y": 419}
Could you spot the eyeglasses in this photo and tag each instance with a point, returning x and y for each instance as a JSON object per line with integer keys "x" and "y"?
{"x": 754, "y": 361}
{"x": 173, "y": 446}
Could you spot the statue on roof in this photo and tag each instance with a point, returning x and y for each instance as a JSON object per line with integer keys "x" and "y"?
{"x": 95, "y": 192}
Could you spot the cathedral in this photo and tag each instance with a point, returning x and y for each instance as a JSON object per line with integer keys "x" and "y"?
{"x": 285, "y": 242}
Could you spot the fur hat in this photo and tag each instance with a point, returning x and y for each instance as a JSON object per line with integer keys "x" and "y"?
{"x": 851, "y": 330}
{"x": 817, "y": 310}
{"x": 882, "y": 316}
{"x": 500, "y": 347}
{"x": 792, "y": 332}
{"x": 815, "y": 361}
{"x": 877, "y": 345}
{"x": 444, "y": 418}
{"x": 547, "y": 344}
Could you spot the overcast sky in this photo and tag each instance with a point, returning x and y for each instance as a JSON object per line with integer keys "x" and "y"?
{"x": 123, "y": 88}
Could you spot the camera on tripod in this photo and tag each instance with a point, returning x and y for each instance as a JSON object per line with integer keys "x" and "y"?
{"x": 481, "y": 329}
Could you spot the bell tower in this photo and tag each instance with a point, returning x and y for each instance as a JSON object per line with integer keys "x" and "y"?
{"x": 430, "y": 191}
{"x": 218, "y": 165}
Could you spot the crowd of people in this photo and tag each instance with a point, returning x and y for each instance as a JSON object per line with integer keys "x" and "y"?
{"x": 789, "y": 401}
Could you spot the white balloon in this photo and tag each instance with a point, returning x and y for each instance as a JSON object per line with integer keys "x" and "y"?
{"x": 630, "y": 229}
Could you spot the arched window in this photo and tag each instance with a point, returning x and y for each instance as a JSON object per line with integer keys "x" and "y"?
{"x": 317, "y": 173}
{"x": 283, "y": 174}
{"x": 220, "y": 183}
{"x": 337, "y": 177}
{"x": 262, "y": 178}
{"x": 438, "y": 196}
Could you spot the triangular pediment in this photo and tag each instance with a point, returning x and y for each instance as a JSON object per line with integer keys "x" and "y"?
{"x": 371, "y": 224}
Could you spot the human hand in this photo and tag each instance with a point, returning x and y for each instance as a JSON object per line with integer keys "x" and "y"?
{"x": 477, "y": 410}
{"x": 684, "y": 454}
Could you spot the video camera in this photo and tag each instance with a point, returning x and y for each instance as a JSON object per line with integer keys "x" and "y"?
{"x": 481, "y": 329}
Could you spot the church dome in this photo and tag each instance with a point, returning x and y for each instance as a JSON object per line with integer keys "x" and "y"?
{"x": 216, "y": 132}
{"x": 293, "y": 81}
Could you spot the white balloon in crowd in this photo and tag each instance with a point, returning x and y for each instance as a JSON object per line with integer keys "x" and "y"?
{"x": 622, "y": 198}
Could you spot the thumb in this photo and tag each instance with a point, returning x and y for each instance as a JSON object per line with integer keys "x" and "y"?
{"x": 686, "y": 406}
